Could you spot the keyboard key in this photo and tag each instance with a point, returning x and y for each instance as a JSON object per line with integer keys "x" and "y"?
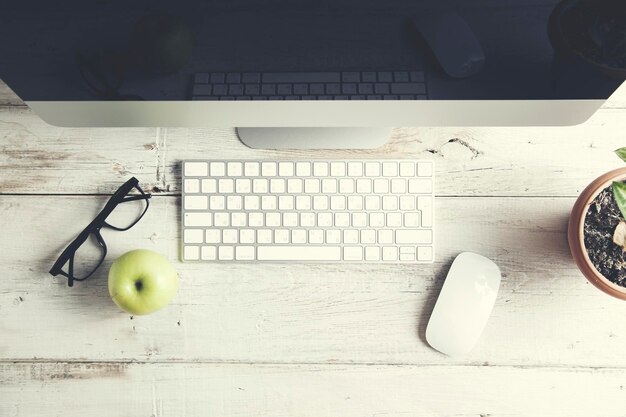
{"x": 412, "y": 88}
{"x": 407, "y": 202}
{"x": 303, "y": 169}
{"x": 381, "y": 88}
{"x": 394, "y": 219}
{"x": 420, "y": 186}
{"x": 268, "y": 89}
{"x": 398, "y": 186}
{"x": 235, "y": 90}
{"x": 316, "y": 236}
{"x": 282, "y": 236}
{"x": 350, "y": 236}
{"x": 329, "y": 186}
{"x": 377, "y": 220}
{"x": 372, "y": 202}
{"x": 390, "y": 169}
{"x": 349, "y": 89}
{"x": 226, "y": 186}
{"x": 390, "y": 202}
{"x": 425, "y": 169}
{"x": 191, "y": 253}
{"x": 411, "y": 220}
{"x": 285, "y": 169}
{"x": 346, "y": 186}
{"x": 307, "y": 219}
{"x": 355, "y": 169}
{"x": 251, "y": 169}
{"x": 298, "y": 236}
{"x": 246, "y": 236}
{"x": 230, "y": 236}
{"x": 425, "y": 206}
{"x": 301, "y": 89}
{"x": 195, "y": 202}
{"x": 268, "y": 169}
{"x": 342, "y": 219}
{"x": 221, "y": 219}
{"x": 196, "y": 169}
{"x": 251, "y": 78}
{"x": 208, "y": 253}
{"x": 251, "y": 202}
{"x": 390, "y": 253}
{"x": 277, "y": 186}
{"x": 290, "y": 219}
{"x": 381, "y": 186}
{"x": 192, "y": 186}
{"x": 286, "y": 202}
{"x": 355, "y": 202}
{"x": 372, "y": 253}
{"x": 217, "y": 202}
{"x": 295, "y": 186}
{"x": 385, "y": 235}
{"x": 260, "y": 186}
{"x": 337, "y": 169}
{"x": 368, "y": 236}
{"x": 299, "y": 253}
{"x": 226, "y": 253}
{"x": 256, "y": 219}
{"x": 333, "y": 236}
{"x": 324, "y": 219}
{"x": 193, "y": 236}
{"x": 285, "y": 89}
{"x": 301, "y": 77}
{"x": 425, "y": 253}
{"x": 350, "y": 77}
{"x": 238, "y": 219}
{"x": 366, "y": 88}
{"x": 268, "y": 202}
{"x": 209, "y": 186}
{"x": 333, "y": 88}
{"x": 320, "y": 169}
{"x": 407, "y": 169}
{"x": 244, "y": 253}
{"x": 312, "y": 186}
{"x": 401, "y": 76}
{"x": 220, "y": 90}
{"x": 218, "y": 169}
{"x": 320, "y": 202}
{"x": 234, "y": 169}
{"x": 317, "y": 89}
{"x": 337, "y": 202}
{"x": 303, "y": 202}
{"x": 198, "y": 219}
{"x": 359, "y": 219}
{"x": 414, "y": 236}
{"x": 352, "y": 253}
{"x": 243, "y": 186}
{"x": 264, "y": 236}
{"x": 213, "y": 236}
{"x": 372, "y": 169}
{"x": 363, "y": 186}
{"x": 273, "y": 219}
{"x": 385, "y": 76}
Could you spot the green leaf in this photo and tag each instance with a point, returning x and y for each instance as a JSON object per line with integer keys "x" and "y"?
{"x": 621, "y": 152}
{"x": 619, "y": 193}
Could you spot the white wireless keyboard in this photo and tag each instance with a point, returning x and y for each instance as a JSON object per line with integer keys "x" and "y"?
{"x": 316, "y": 211}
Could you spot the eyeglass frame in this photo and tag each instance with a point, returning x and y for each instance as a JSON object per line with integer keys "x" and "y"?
{"x": 120, "y": 196}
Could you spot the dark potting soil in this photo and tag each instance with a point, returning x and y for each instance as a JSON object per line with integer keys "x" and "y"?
{"x": 601, "y": 220}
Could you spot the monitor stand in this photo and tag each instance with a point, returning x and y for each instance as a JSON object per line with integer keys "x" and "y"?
{"x": 314, "y": 137}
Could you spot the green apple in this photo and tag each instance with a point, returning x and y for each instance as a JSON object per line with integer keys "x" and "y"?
{"x": 142, "y": 281}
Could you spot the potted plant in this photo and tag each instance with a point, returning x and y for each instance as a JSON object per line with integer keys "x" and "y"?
{"x": 593, "y": 32}
{"x": 597, "y": 231}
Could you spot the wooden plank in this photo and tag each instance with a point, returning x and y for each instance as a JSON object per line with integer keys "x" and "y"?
{"x": 8, "y": 98}
{"x": 129, "y": 389}
{"x": 546, "y": 313}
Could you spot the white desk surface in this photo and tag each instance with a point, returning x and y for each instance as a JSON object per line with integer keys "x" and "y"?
{"x": 305, "y": 340}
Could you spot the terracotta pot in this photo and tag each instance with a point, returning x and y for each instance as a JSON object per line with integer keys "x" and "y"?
{"x": 576, "y": 238}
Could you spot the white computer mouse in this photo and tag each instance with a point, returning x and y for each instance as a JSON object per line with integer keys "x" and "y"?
{"x": 464, "y": 304}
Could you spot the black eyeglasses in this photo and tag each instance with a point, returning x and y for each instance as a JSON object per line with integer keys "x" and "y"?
{"x": 87, "y": 252}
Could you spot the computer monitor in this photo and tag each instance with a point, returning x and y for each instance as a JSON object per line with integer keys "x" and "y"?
{"x": 329, "y": 73}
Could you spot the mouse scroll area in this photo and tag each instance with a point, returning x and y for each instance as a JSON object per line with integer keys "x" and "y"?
{"x": 464, "y": 304}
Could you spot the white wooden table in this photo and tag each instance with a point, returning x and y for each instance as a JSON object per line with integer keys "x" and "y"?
{"x": 305, "y": 340}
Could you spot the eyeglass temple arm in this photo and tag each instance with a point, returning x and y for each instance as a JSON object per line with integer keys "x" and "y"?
{"x": 137, "y": 197}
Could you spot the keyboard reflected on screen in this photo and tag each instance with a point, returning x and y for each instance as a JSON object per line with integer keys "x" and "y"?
{"x": 353, "y": 85}
{"x": 317, "y": 211}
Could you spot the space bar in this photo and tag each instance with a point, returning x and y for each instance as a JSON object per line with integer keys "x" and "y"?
{"x": 299, "y": 253}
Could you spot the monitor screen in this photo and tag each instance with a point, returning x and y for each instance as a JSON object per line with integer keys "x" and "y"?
{"x": 86, "y": 50}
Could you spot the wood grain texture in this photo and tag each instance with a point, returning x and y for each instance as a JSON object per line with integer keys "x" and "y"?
{"x": 546, "y": 313}
{"x": 74, "y": 390}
